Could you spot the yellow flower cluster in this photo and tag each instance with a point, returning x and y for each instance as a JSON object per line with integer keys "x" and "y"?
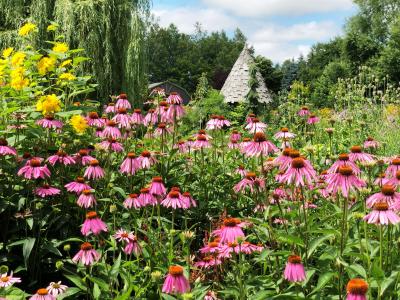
{"x": 79, "y": 123}
{"x": 325, "y": 113}
{"x": 60, "y": 47}
{"x": 18, "y": 80}
{"x": 45, "y": 65}
{"x": 26, "y": 29}
{"x": 18, "y": 59}
{"x": 67, "y": 76}
{"x": 48, "y": 104}
{"x": 52, "y": 27}
{"x": 7, "y": 52}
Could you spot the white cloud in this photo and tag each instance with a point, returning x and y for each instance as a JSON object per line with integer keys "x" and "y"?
{"x": 275, "y": 41}
{"x": 186, "y": 17}
{"x": 253, "y": 8}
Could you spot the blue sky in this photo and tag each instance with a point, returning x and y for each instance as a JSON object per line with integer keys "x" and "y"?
{"x": 278, "y": 29}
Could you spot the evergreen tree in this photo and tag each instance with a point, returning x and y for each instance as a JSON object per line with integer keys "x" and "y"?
{"x": 252, "y": 96}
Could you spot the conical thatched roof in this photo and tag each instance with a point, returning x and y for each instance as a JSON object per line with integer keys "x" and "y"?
{"x": 236, "y": 86}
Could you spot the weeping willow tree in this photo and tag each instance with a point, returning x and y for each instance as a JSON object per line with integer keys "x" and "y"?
{"x": 112, "y": 32}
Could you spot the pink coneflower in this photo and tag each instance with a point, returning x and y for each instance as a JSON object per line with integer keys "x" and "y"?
{"x": 294, "y": 270}
{"x": 34, "y": 170}
{"x": 86, "y": 199}
{"x": 56, "y": 288}
{"x": 61, "y": 157}
{"x": 42, "y": 294}
{"x": 382, "y": 180}
{"x": 256, "y": 126}
{"x": 235, "y": 136}
{"x": 174, "y": 98}
{"x": 344, "y": 161}
{"x": 174, "y": 200}
{"x": 50, "y": 122}
{"x": 202, "y": 132}
{"x": 212, "y": 123}
{"x": 111, "y": 145}
{"x": 94, "y": 120}
{"x": 137, "y": 117}
{"x": 83, "y": 157}
{"x": 208, "y": 262}
{"x": 87, "y": 255}
{"x": 133, "y": 247}
{"x": 162, "y": 130}
{"x": 241, "y": 171}
{"x": 175, "y": 111}
{"x": 344, "y": 180}
{"x": 158, "y": 91}
{"x": 211, "y": 247}
{"x": 201, "y": 142}
{"x": 381, "y": 214}
{"x": 176, "y": 282}
{"x": 304, "y": 111}
{"x": 162, "y": 111}
{"x": 210, "y": 296}
{"x": 300, "y": 172}
{"x": 123, "y": 236}
{"x": 93, "y": 224}
{"x": 8, "y": 280}
{"x": 250, "y": 118}
{"x": 110, "y": 109}
{"x": 111, "y": 130}
{"x": 284, "y": 134}
{"x": 234, "y": 145}
{"x": 46, "y": 190}
{"x": 77, "y": 186}
{"x": 259, "y": 146}
{"x": 251, "y": 182}
{"x": 246, "y": 247}
{"x": 122, "y": 118}
{"x": 393, "y": 168}
{"x": 313, "y": 119}
{"x": 146, "y": 160}
{"x": 151, "y": 118}
{"x": 357, "y": 289}
{"x": 130, "y": 164}
{"x": 387, "y": 194}
{"x": 188, "y": 201}
{"x": 395, "y": 181}
{"x": 122, "y": 102}
{"x": 132, "y": 200}
{"x": 370, "y": 143}
{"x": 157, "y": 187}
{"x": 230, "y": 231}
{"x": 5, "y": 149}
{"x": 222, "y": 122}
{"x": 181, "y": 146}
{"x": 94, "y": 171}
{"x": 357, "y": 155}
{"x": 284, "y": 159}
{"x": 145, "y": 198}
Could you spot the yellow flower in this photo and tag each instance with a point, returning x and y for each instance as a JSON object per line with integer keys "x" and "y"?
{"x": 79, "y": 123}
{"x": 48, "y": 104}
{"x": 67, "y": 76}
{"x": 65, "y": 63}
{"x": 7, "y": 52}
{"x": 26, "y": 29}
{"x": 18, "y": 81}
{"x": 60, "y": 47}
{"x": 52, "y": 27}
{"x": 45, "y": 65}
{"x": 18, "y": 59}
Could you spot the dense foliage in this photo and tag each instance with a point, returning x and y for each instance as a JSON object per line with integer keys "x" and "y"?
{"x": 177, "y": 202}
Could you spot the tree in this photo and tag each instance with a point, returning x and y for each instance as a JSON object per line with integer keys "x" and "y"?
{"x": 271, "y": 74}
{"x": 111, "y": 32}
{"x": 252, "y": 96}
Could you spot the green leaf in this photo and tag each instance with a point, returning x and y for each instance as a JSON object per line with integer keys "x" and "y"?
{"x": 389, "y": 281}
{"x": 291, "y": 239}
{"x": 77, "y": 281}
{"x": 377, "y": 273}
{"x": 96, "y": 291}
{"x": 358, "y": 269}
{"x": 101, "y": 283}
{"x": 316, "y": 243}
{"x": 115, "y": 268}
{"x": 27, "y": 249}
{"x": 323, "y": 280}
{"x": 69, "y": 292}
{"x": 168, "y": 297}
{"x": 125, "y": 296}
